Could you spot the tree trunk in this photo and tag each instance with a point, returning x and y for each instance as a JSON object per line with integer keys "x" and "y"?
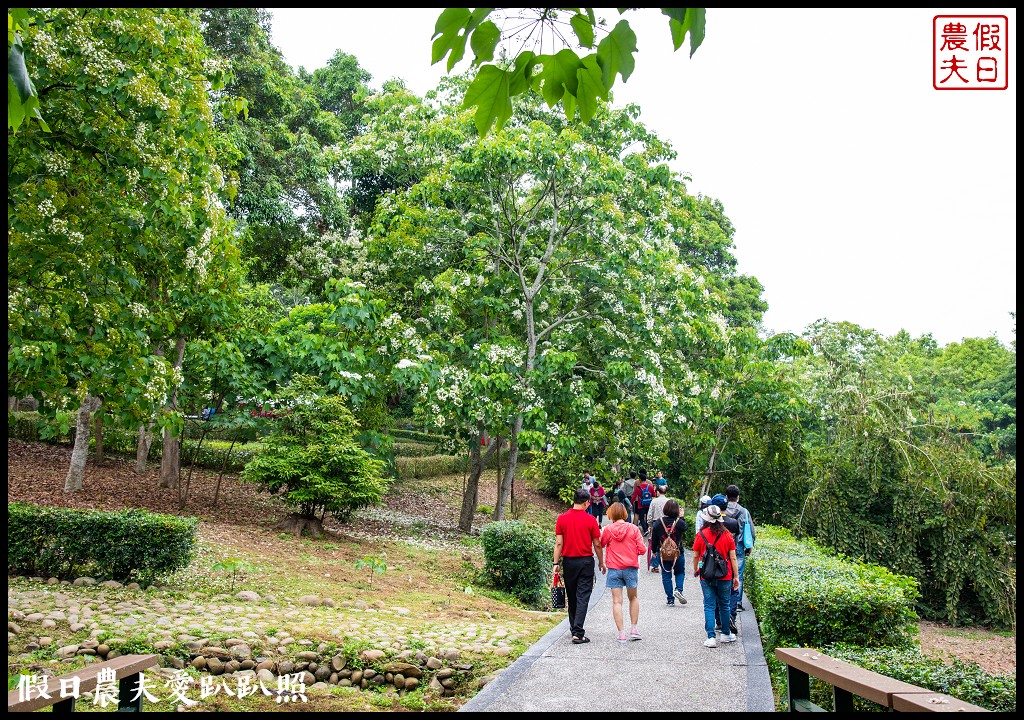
{"x": 709, "y": 474}
{"x": 296, "y": 523}
{"x": 170, "y": 458}
{"x": 170, "y": 461}
{"x": 476, "y": 469}
{"x": 97, "y": 419}
{"x": 80, "y": 453}
{"x": 223, "y": 466}
{"x": 505, "y": 491}
{"x": 142, "y": 448}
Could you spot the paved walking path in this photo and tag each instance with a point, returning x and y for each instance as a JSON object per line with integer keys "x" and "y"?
{"x": 670, "y": 669}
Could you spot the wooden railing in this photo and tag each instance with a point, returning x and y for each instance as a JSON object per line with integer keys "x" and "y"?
{"x": 126, "y": 670}
{"x": 848, "y": 680}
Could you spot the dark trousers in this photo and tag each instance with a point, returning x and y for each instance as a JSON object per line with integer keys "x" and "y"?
{"x": 578, "y": 574}
{"x": 641, "y": 514}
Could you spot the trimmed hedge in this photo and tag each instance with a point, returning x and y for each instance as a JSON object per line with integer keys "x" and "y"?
{"x": 965, "y": 681}
{"x": 124, "y": 545}
{"x": 414, "y": 449}
{"x": 417, "y": 436}
{"x": 433, "y": 465}
{"x": 807, "y": 596}
{"x": 26, "y": 426}
{"x": 517, "y": 559}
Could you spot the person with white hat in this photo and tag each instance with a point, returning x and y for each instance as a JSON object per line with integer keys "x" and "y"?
{"x": 698, "y": 523}
{"x": 716, "y": 586}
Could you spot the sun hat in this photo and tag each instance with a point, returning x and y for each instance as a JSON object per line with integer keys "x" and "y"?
{"x": 721, "y": 501}
{"x": 711, "y": 514}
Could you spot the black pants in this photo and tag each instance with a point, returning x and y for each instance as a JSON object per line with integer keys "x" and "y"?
{"x": 578, "y": 575}
{"x": 641, "y": 514}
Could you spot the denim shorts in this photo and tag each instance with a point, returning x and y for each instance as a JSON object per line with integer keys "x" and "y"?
{"x": 627, "y": 577}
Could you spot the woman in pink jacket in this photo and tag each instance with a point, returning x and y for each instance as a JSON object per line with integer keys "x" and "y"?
{"x": 623, "y": 545}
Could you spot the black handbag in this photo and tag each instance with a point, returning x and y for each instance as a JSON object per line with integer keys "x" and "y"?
{"x": 557, "y": 593}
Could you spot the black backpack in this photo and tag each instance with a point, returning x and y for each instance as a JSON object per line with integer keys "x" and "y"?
{"x": 712, "y": 565}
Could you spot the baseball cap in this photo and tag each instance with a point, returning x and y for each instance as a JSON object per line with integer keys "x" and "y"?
{"x": 720, "y": 500}
{"x": 704, "y": 500}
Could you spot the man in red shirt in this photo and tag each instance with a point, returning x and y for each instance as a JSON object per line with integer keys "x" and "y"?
{"x": 577, "y": 540}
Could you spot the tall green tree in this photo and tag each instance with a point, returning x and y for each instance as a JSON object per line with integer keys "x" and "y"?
{"x": 288, "y": 207}
{"x": 114, "y": 217}
{"x": 542, "y": 262}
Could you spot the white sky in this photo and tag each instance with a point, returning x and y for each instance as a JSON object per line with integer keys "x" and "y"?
{"x": 857, "y": 190}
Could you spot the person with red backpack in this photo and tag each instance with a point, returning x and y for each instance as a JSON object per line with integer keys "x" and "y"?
{"x": 643, "y": 495}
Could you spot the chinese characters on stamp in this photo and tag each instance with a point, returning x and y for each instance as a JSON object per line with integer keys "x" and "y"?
{"x": 970, "y": 52}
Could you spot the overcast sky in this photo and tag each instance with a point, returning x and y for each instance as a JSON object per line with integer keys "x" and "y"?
{"x": 858, "y": 191}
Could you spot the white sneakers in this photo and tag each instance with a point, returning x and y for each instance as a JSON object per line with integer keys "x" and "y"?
{"x": 679, "y": 596}
{"x": 711, "y": 642}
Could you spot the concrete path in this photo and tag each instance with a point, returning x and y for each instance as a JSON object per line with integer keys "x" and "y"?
{"x": 670, "y": 667}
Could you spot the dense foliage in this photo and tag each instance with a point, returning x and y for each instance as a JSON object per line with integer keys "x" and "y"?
{"x": 124, "y": 545}
{"x": 312, "y": 459}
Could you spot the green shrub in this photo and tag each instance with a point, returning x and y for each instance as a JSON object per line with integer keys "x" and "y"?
{"x": 124, "y": 545}
{"x": 517, "y": 559}
{"x": 965, "y": 681}
{"x": 807, "y": 596}
{"x": 312, "y": 458}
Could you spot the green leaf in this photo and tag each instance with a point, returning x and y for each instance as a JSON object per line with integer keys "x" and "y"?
{"x": 615, "y": 54}
{"x": 15, "y": 108}
{"x": 584, "y": 30}
{"x": 689, "y": 20}
{"x": 559, "y": 75}
{"x": 489, "y": 93}
{"x": 458, "y": 49}
{"x": 446, "y": 32}
{"x": 485, "y": 38}
{"x": 678, "y": 14}
{"x": 519, "y": 82}
{"x": 450, "y": 21}
{"x": 569, "y": 105}
{"x": 17, "y": 71}
{"x": 590, "y": 87}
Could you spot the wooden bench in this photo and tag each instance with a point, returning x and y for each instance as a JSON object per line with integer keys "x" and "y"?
{"x": 127, "y": 670}
{"x": 848, "y": 680}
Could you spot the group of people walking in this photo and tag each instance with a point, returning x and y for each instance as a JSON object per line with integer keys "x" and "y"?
{"x": 645, "y": 527}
